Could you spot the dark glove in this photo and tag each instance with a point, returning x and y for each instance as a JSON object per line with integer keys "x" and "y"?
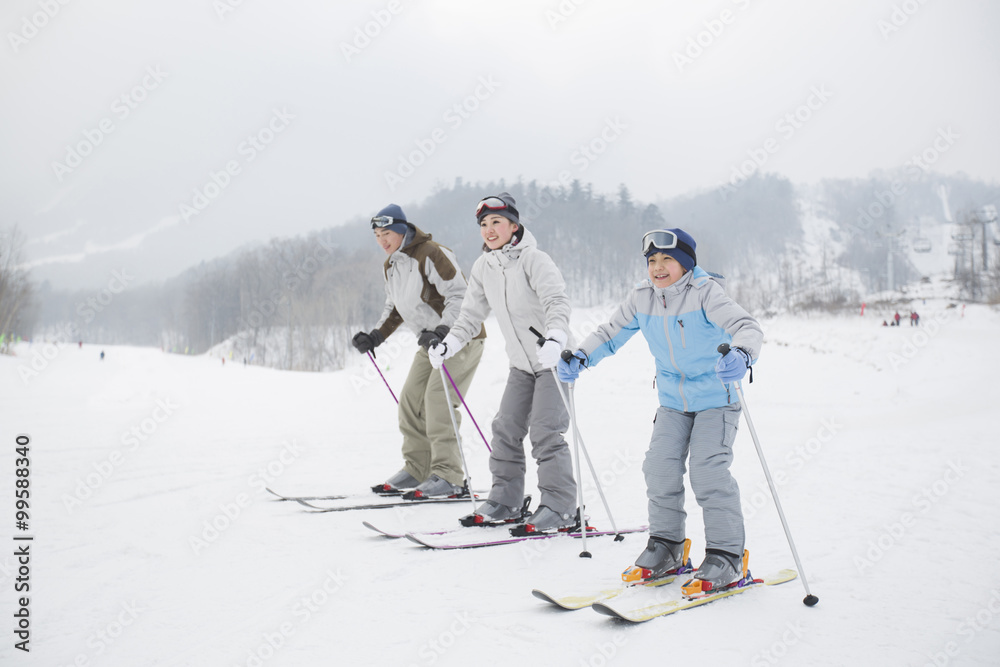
{"x": 366, "y": 342}
{"x": 429, "y": 339}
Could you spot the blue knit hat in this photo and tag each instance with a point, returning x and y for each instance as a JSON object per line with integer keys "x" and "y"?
{"x": 400, "y": 225}
{"x": 684, "y": 252}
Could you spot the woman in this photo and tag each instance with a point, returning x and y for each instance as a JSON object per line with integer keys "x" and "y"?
{"x": 521, "y": 285}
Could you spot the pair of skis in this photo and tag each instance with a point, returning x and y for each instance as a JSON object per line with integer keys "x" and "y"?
{"x": 497, "y": 535}
{"x": 366, "y": 501}
{"x": 604, "y": 601}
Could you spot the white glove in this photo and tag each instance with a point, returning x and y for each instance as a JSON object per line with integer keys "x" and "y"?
{"x": 548, "y": 354}
{"x": 446, "y": 349}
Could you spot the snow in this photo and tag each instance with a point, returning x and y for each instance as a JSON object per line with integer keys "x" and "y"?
{"x": 155, "y": 543}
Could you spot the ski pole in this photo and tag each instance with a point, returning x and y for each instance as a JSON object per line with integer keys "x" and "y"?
{"x": 461, "y": 398}
{"x": 370, "y": 356}
{"x": 579, "y": 476}
{"x": 571, "y": 406}
{"x": 576, "y": 446}
{"x": 810, "y": 599}
{"x": 458, "y": 438}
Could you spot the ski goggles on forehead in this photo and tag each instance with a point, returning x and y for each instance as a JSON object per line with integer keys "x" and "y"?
{"x": 493, "y": 204}
{"x": 663, "y": 239}
{"x": 384, "y": 221}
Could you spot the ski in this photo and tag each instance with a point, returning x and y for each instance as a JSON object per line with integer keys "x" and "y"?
{"x": 398, "y": 535}
{"x": 433, "y": 544}
{"x": 573, "y": 602}
{"x": 306, "y": 498}
{"x": 642, "y": 614}
{"x": 390, "y": 501}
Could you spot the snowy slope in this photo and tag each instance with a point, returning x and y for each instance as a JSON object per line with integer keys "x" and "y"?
{"x": 156, "y": 546}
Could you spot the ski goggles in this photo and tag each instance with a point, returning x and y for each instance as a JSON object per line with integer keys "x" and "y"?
{"x": 664, "y": 239}
{"x": 493, "y": 204}
{"x": 384, "y": 221}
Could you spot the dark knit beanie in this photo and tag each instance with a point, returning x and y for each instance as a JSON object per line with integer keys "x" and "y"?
{"x": 509, "y": 211}
{"x": 400, "y": 226}
{"x": 685, "y": 256}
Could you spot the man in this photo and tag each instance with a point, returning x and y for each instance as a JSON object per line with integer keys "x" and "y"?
{"x": 424, "y": 289}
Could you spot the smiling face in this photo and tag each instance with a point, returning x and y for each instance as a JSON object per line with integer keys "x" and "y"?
{"x": 496, "y": 230}
{"x": 664, "y": 270}
{"x": 388, "y": 240}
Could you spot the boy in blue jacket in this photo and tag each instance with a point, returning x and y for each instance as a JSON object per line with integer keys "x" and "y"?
{"x": 684, "y": 314}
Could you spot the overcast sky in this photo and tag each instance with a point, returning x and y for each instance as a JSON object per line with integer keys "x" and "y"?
{"x": 146, "y": 137}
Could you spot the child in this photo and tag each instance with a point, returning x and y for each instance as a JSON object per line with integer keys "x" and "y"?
{"x": 424, "y": 289}
{"x": 523, "y": 287}
{"x": 685, "y": 315}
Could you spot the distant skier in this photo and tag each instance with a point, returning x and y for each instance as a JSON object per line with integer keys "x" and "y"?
{"x": 685, "y": 315}
{"x": 523, "y": 286}
{"x": 424, "y": 288}
{"x": 914, "y": 319}
{"x": 896, "y": 318}
{"x": 102, "y": 355}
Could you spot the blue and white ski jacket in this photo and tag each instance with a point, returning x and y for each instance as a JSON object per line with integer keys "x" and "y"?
{"x": 683, "y": 324}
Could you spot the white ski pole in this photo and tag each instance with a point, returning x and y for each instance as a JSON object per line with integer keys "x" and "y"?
{"x": 458, "y": 439}
{"x": 810, "y": 599}
{"x": 579, "y": 476}
{"x": 571, "y": 406}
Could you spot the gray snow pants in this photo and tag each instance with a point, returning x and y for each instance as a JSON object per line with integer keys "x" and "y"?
{"x": 708, "y": 437}
{"x": 531, "y": 403}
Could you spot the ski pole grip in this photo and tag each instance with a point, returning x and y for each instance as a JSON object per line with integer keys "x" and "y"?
{"x": 723, "y": 349}
{"x": 541, "y": 338}
{"x": 566, "y": 355}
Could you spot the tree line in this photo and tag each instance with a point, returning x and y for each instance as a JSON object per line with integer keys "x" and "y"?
{"x": 294, "y": 303}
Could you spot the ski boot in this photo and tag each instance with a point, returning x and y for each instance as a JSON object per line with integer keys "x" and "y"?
{"x": 492, "y": 513}
{"x": 546, "y": 520}
{"x": 720, "y": 570}
{"x": 395, "y": 485}
{"x": 661, "y": 558}
{"x": 435, "y": 487}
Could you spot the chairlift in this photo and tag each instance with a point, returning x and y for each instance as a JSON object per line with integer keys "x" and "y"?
{"x": 921, "y": 244}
